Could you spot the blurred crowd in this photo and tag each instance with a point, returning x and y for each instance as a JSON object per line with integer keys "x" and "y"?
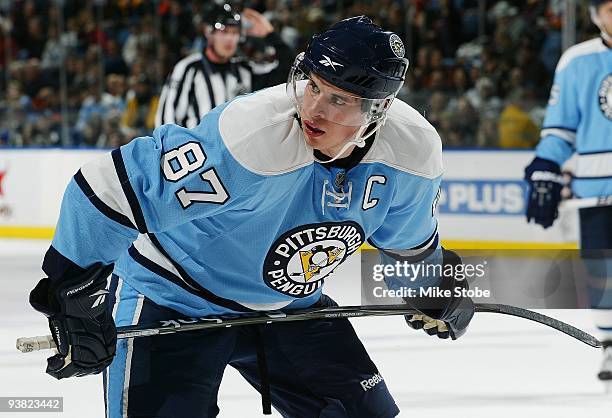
{"x": 480, "y": 70}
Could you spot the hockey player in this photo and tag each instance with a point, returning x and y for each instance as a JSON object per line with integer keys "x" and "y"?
{"x": 579, "y": 120}
{"x": 251, "y": 210}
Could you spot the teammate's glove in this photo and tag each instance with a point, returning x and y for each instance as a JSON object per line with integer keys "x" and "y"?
{"x": 81, "y": 325}
{"x": 545, "y": 184}
{"x": 444, "y": 316}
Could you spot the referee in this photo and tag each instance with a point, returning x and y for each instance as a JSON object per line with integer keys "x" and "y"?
{"x": 201, "y": 81}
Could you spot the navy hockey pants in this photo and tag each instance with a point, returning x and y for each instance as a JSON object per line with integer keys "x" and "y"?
{"x": 316, "y": 368}
{"x": 596, "y": 251}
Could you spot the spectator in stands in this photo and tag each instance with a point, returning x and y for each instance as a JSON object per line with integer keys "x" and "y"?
{"x": 42, "y": 125}
{"x": 437, "y": 109}
{"x": 54, "y": 52}
{"x": 113, "y": 60}
{"x": 177, "y": 28}
{"x": 488, "y": 107}
{"x": 464, "y": 123}
{"x": 482, "y": 96}
{"x": 460, "y": 81}
{"x": 14, "y": 108}
{"x": 141, "y": 38}
{"x": 421, "y": 69}
{"x": 519, "y": 49}
{"x": 97, "y": 108}
{"x": 535, "y": 76}
{"x": 138, "y": 119}
{"x": 516, "y": 129}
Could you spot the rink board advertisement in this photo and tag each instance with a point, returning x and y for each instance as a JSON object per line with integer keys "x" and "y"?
{"x": 482, "y": 204}
{"x": 32, "y": 183}
{"x": 482, "y": 200}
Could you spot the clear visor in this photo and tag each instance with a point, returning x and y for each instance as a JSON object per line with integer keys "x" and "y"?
{"x": 316, "y": 98}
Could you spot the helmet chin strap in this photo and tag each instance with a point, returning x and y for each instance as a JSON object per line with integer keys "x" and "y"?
{"x": 357, "y": 140}
{"x": 606, "y": 36}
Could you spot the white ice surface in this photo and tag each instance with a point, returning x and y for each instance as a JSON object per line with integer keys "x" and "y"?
{"x": 503, "y": 367}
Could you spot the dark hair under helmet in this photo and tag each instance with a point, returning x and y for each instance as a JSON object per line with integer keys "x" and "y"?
{"x": 358, "y": 56}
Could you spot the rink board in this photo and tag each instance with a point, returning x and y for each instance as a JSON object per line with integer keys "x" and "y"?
{"x": 481, "y": 205}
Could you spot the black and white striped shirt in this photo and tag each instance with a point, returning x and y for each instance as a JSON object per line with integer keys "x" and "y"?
{"x": 196, "y": 85}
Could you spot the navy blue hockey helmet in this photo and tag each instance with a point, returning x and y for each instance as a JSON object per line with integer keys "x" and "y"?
{"x": 358, "y": 56}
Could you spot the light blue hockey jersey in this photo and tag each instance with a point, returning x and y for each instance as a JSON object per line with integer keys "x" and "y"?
{"x": 235, "y": 215}
{"x": 579, "y": 117}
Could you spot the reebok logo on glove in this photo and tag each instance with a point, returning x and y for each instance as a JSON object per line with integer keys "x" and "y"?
{"x": 370, "y": 383}
{"x": 101, "y": 296}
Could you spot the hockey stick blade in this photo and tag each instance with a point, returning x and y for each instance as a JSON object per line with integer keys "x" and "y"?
{"x": 542, "y": 319}
{"x": 28, "y": 344}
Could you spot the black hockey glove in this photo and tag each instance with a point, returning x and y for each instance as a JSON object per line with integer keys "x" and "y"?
{"x": 444, "y": 316}
{"x": 545, "y": 183}
{"x": 81, "y": 325}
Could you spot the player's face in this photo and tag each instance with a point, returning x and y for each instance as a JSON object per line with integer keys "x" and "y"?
{"x": 604, "y": 12}
{"x": 327, "y": 114}
{"x": 225, "y": 42}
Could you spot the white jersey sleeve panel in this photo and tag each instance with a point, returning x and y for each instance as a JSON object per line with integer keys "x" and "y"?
{"x": 261, "y": 133}
{"x": 408, "y": 142}
{"x": 592, "y": 46}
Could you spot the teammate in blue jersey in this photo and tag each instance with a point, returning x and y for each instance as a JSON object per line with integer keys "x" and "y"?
{"x": 579, "y": 121}
{"x": 251, "y": 210}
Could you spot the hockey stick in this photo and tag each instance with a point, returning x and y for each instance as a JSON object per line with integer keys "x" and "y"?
{"x": 589, "y": 202}
{"x": 27, "y": 344}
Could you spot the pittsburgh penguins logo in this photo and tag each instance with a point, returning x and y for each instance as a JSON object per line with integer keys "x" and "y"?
{"x": 301, "y": 258}
{"x": 397, "y": 46}
{"x": 605, "y": 96}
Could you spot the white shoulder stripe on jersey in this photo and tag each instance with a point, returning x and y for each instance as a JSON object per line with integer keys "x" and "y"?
{"x": 592, "y": 46}
{"x": 260, "y": 132}
{"x": 407, "y": 142}
{"x": 594, "y": 165}
{"x": 564, "y": 134}
{"x": 102, "y": 177}
{"x": 146, "y": 248}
